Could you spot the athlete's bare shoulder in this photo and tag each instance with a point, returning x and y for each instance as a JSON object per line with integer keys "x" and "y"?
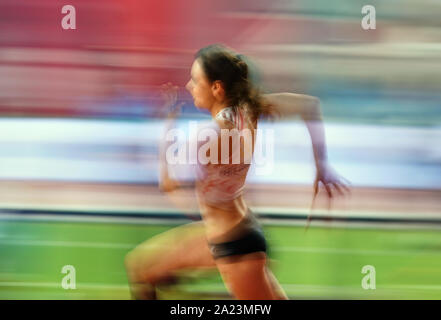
{"x": 225, "y": 119}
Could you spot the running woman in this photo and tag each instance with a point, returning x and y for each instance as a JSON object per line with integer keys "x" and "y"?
{"x": 229, "y": 237}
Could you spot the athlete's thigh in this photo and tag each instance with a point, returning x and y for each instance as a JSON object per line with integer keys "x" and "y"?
{"x": 179, "y": 248}
{"x": 247, "y": 279}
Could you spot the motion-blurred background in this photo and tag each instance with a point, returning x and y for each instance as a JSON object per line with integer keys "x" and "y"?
{"x": 80, "y": 119}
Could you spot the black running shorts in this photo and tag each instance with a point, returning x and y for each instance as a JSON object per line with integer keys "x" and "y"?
{"x": 251, "y": 240}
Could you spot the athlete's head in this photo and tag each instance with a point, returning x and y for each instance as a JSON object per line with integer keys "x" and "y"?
{"x": 220, "y": 75}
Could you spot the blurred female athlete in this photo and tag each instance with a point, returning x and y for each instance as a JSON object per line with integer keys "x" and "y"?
{"x": 228, "y": 237}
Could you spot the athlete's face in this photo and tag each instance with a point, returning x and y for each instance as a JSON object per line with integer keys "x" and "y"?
{"x": 200, "y": 87}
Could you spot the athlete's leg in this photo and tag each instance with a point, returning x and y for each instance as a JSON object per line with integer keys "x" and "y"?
{"x": 248, "y": 278}
{"x": 157, "y": 260}
{"x": 281, "y": 295}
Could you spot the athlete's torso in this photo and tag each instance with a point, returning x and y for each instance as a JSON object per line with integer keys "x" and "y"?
{"x": 220, "y": 185}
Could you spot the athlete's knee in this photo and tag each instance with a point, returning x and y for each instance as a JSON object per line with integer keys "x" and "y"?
{"x": 130, "y": 265}
{"x": 145, "y": 269}
{"x": 136, "y": 265}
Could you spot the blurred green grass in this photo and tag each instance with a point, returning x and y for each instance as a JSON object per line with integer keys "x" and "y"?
{"x": 323, "y": 263}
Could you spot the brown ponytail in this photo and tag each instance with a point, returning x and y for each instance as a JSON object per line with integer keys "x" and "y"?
{"x": 232, "y": 69}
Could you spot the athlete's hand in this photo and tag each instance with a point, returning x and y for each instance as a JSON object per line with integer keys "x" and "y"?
{"x": 169, "y": 93}
{"x": 333, "y": 183}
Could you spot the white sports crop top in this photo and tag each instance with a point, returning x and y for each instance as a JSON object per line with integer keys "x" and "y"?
{"x": 222, "y": 182}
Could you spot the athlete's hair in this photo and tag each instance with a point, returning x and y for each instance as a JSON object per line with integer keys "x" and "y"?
{"x": 220, "y": 63}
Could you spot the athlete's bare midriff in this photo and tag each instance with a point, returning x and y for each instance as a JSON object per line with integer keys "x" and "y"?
{"x": 219, "y": 219}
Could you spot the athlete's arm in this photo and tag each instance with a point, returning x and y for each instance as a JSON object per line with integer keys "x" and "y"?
{"x": 178, "y": 192}
{"x": 166, "y": 183}
{"x": 308, "y": 108}
{"x": 289, "y": 105}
